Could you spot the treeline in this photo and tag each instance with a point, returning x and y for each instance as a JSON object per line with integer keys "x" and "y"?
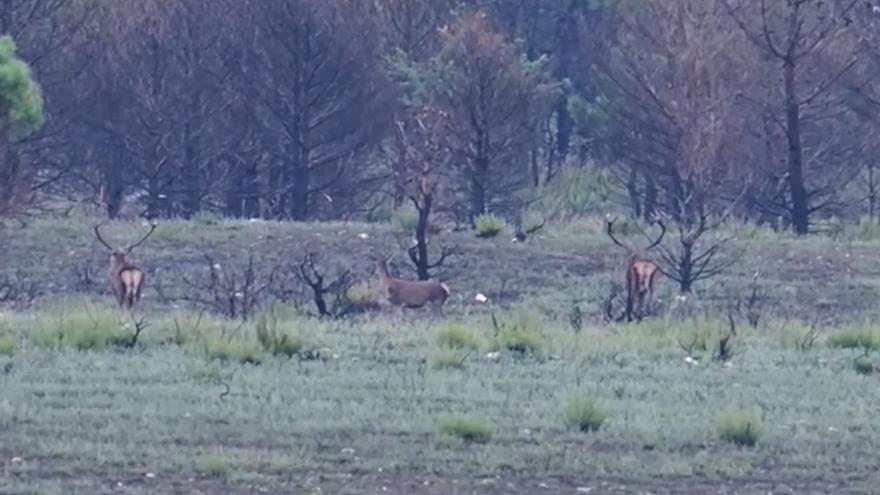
{"x": 326, "y": 109}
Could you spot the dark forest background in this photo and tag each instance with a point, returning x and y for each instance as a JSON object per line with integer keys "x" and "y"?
{"x": 343, "y": 109}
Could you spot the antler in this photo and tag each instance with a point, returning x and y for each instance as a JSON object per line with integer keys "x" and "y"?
{"x": 609, "y": 226}
{"x": 98, "y": 235}
{"x": 662, "y": 233}
{"x": 144, "y": 238}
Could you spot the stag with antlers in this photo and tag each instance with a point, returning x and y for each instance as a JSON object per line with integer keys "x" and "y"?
{"x": 641, "y": 272}
{"x": 126, "y": 279}
{"x": 413, "y": 293}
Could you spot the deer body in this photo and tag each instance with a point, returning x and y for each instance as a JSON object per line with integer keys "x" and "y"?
{"x": 640, "y": 275}
{"x": 413, "y": 293}
{"x": 126, "y": 279}
{"x": 641, "y": 272}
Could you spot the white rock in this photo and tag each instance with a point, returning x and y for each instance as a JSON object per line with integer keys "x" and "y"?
{"x": 364, "y": 235}
{"x": 691, "y": 361}
{"x": 481, "y": 298}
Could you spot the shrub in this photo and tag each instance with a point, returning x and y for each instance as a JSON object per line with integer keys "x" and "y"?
{"x": 214, "y": 465}
{"x": 584, "y": 414}
{"x": 863, "y": 365}
{"x": 447, "y": 357}
{"x": 85, "y": 327}
{"x": 862, "y": 337}
{"x": 7, "y": 345}
{"x": 739, "y": 427}
{"x": 471, "y": 429}
{"x": 488, "y": 225}
{"x": 274, "y": 340}
{"x": 456, "y": 336}
{"x": 405, "y": 218}
{"x": 521, "y": 335}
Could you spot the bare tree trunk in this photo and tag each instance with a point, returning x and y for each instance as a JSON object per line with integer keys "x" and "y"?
{"x": 650, "y": 207}
{"x": 479, "y": 175}
{"x": 421, "y": 237}
{"x": 191, "y": 175}
{"x": 799, "y": 208}
{"x": 632, "y": 188}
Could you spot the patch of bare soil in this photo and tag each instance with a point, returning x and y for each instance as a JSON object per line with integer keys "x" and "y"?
{"x": 348, "y": 484}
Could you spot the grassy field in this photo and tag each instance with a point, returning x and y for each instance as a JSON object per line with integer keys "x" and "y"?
{"x": 287, "y": 403}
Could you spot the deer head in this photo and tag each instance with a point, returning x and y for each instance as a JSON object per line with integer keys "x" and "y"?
{"x": 126, "y": 279}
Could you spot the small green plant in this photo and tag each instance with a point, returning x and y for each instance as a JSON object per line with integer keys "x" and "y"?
{"x": 521, "y": 335}
{"x": 739, "y": 427}
{"x": 468, "y": 428}
{"x": 456, "y": 336}
{"x": 214, "y": 465}
{"x": 584, "y": 415}
{"x": 405, "y": 218}
{"x": 449, "y": 358}
{"x": 274, "y": 340}
{"x": 7, "y": 345}
{"x": 863, "y": 365}
{"x": 488, "y": 225}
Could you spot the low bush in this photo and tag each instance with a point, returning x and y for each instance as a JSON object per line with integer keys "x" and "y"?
{"x": 7, "y": 345}
{"x": 521, "y": 335}
{"x": 276, "y": 340}
{"x": 456, "y": 336}
{"x": 405, "y": 218}
{"x": 468, "y": 428}
{"x": 449, "y": 358}
{"x": 214, "y": 465}
{"x": 584, "y": 415}
{"x": 488, "y": 225}
{"x": 863, "y": 365}
{"x": 863, "y": 337}
{"x": 739, "y": 427}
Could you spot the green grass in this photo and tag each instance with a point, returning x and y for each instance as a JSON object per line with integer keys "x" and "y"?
{"x": 84, "y": 413}
{"x": 489, "y": 225}
{"x": 584, "y": 415}
{"x": 215, "y": 465}
{"x": 521, "y": 334}
{"x": 277, "y": 340}
{"x": 405, "y": 219}
{"x": 7, "y": 345}
{"x": 457, "y": 336}
{"x": 741, "y": 428}
{"x": 80, "y": 325}
{"x": 468, "y": 428}
{"x": 449, "y": 358}
{"x": 864, "y": 337}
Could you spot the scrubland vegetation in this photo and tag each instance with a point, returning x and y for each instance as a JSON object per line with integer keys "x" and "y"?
{"x": 522, "y": 384}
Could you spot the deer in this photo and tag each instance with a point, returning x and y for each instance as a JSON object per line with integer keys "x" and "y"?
{"x": 413, "y": 293}
{"x": 126, "y": 279}
{"x": 641, "y": 272}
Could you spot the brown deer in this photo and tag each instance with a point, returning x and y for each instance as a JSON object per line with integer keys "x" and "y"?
{"x": 126, "y": 279}
{"x": 413, "y": 293}
{"x": 641, "y": 272}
